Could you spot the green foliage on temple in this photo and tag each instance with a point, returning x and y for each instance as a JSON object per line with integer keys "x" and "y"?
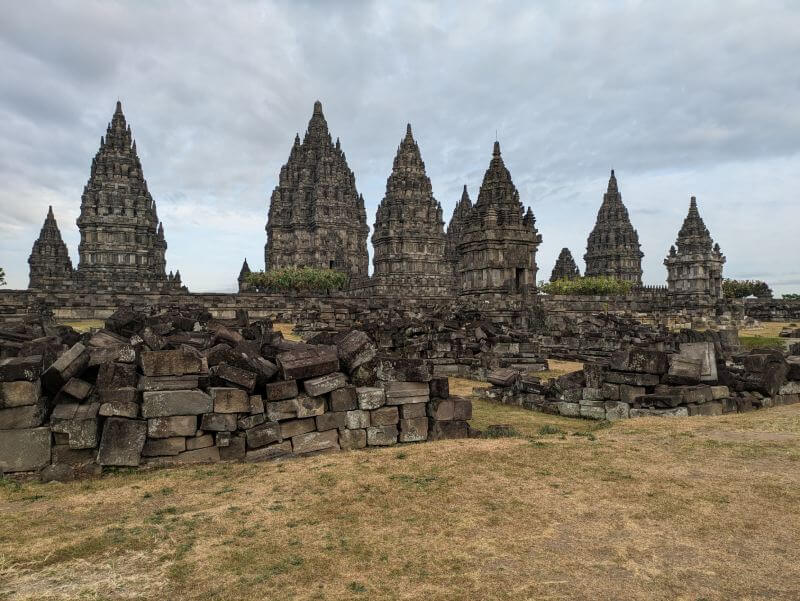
{"x": 297, "y": 279}
{"x": 587, "y": 286}
{"x": 743, "y": 288}
{"x": 2, "y": 277}
{"x": 791, "y": 296}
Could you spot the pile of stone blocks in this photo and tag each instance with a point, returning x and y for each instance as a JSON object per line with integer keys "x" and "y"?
{"x": 174, "y": 388}
{"x": 640, "y": 382}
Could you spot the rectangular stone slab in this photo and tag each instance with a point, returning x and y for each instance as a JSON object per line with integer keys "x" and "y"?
{"x": 355, "y": 348}
{"x": 122, "y": 442}
{"x": 20, "y": 418}
{"x": 70, "y": 364}
{"x": 381, "y": 436}
{"x": 19, "y": 393}
{"x": 175, "y": 402}
{"x": 343, "y": 399}
{"x": 315, "y": 441}
{"x": 370, "y": 398}
{"x": 235, "y": 375}
{"x": 324, "y": 384}
{"x": 273, "y": 451}
{"x": 218, "y": 422}
{"x": 294, "y": 427}
{"x": 331, "y": 420}
{"x": 352, "y": 439}
{"x": 175, "y": 425}
{"x": 279, "y": 391}
{"x": 157, "y": 447}
{"x": 149, "y": 383}
{"x": 20, "y": 368}
{"x": 119, "y": 409}
{"x": 170, "y": 363}
{"x": 230, "y": 400}
{"x": 263, "y": 434}
{"x": 25, "y": 450}
{"x": 308, "y": 362}
{"x": 414, "y": 430}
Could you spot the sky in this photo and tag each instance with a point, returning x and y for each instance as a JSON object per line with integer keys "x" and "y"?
{"x": 680, "y": 98}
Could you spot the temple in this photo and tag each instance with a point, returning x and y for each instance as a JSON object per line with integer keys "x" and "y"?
{"x": 408, "y": 239}
{"x": 565, "y": 267}
{"x": 694, "y": 268}
{"x": 50, "y": 265}
{"x": 613, "y": 249}
{"x": 499, "y": 240}
{"x": 455, "y": 227}
{"x": 316, "y": 216}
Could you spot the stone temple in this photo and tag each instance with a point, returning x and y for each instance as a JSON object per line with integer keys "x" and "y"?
{"x": 454, "y": 229}
{"x": 565, "y": 267}
{"x": 613, "y": 248}
{"x": 122, "y": 245}
{"x": 497, "y": 251}
{"x": 316, "y": 215}
{"x": 409, "y": 240}
{"x": 695, "y": 267}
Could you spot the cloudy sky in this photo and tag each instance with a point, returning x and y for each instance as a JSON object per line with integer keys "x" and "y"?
{"x": 681, "y": 98}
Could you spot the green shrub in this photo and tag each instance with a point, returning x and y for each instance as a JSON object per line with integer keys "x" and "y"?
{"x": 742, "y": 288}
{"x": 2, "y": 277}
{"x": 791, "y": 297}
{"x": 297, "y": 279}
{"x": 587, "y": 286}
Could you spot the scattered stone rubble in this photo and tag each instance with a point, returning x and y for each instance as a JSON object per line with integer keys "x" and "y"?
{"x": 695, "y": 380}
{"x": 177, "y": 387}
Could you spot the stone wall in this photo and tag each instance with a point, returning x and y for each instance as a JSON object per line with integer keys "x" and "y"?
{"x": 772, "y": 309}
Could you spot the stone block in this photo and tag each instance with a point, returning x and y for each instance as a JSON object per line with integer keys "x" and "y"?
{"x": 235, "y": 450}
{"x": 150, "y": 383}
{"x": 356, "y": 419}
{"x": 384, "y": 416}
{"x": 24, "y": 450}
{"x": 256, "y": 404}
{"x": 611, "y": 391}
{"x": 61, "y": 453}
{"x": 279, "y": 391}
{"x": 595, "y": 410}
{"x": 168, "y": 427}
{"x": 19, "y": 393}
{"x": 631, "y": 379}
{"x": 251, "y": 421}
{"x": 439, "y": 388}
{"x": 640, "y": 360}
{"x": 163, "y": 403}
{"x": 77, "y": 389}
{"x": 308, "y": 362}
{"x": 69, "y": 365}
{"x": 381, "y": 436}
{"x": 502, "y": 377}
{"x": 617, "y": 410}
{"x": 709, "y": 408}
{"x": 674, "y": 412}
{"x": 230, "y": 400}
{"x": 462, "y": 408}
{"x": 22, "y": 418}
{"x": 116, "y": 375}
{"x": 122, "y": 442}
{"x": 413, "y": 429}
{"x": 170, "y": 363}
{"x": 569, "y": 409}
{"x": 316, "y": 441}
{"x": 401, "y": 393}
{"x": 344, "y": 399}
{"x": 119, "y": 353}
{"x": 294, "y": 427}
{"x": 355, "y": 348}
{"x": 235, "y": 375}
{"x": 263, "y": 434}
{"x": 391, "y": 369}
{"x": 309, "y": 406}
{"x": 370, "y": 398}
{"x": 447, "y": 430}
{"x": 628, "y": 394}
{"x": 720, "y": 392}
{"x": 441, "y": 409}
{"x": 218, "y": 422}
{"x": 119, "y": 395}
{"x": 414, "y": 410}
{"x": 159, "y": 447}
{"x": 594, "y": 373}
{"x": 324, "y": 384}
{"x": 119, "y": 409}
{"x": 665, "y": 401}
{"x": 204, "y": 455}
{"x": 280, "y": 410}
{"x": 592, "y": 394}
{"x": 353, "y": 439}
{"x": 331, "y": 420}
{"x": 200, "y": 442}
{"x": 273, "y": 451}
{"x": 21, "y": 368}
{"x": 792, "y": 387}
{"x": 223, "y": 439}
{"x": 696, "y": 394}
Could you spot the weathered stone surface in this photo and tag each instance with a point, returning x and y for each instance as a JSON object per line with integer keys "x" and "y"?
{"x": 370, "y": 398}
{"x": 439, "y": 388}
{"x": 569, "y": 409}
{"x": 381, "y": 436}
{"x": 19, "y": 393}
{"x": 251, "y": 421}
{"x": 119, "y": 395}
{"x": 279, "y": 410}
{"x": 116, "y": 375}
{"x": 344, "y": 399}
{"x": 21, "y": 368}
{"x": 720, "y": 392}
{"x": 235, "y": 450}
{"x": 352, "y": 439}
{"x": 462, "y": 408}
{"x": 149, "y": 383}
{"x": 640, "y": 360}
{"x": 441, "y": 409}
{"x": 616, "y": 410}
{"x": 596, "y": 410}
{"x": 631, "y": 379}
{"x": 57, "y": 473}
{"x": 413, "y": 429}
{"x": 611, "y": 392}
{"x": 674, "y": 412}
{"x": 790, "y": 388}
{"x": 263, "y": 434}
{"x": 68, "y": 365}
{"x": 223, "y": 439}
{"x": 61, "y": 453}
{"x": 356, "y": 419}
{"x": 278, "y": 391}
{"x": 324, "y": 384}
{"x": 594, "y": 374}
{"x": 413, "y": 410}
{"x": 391, "y": 369}
{"x": 200, "y": 442}
{"x": 119, "y": 353}
{"x": 237, "y": 376}
{"x": 256, "y": 404}
{"x": 230, "y": 400}
{"x": 710, "y": 408}
{"x": 175, "y": 402}
{"x": 355, "y": 348}
{"x": 170, "y": 363}
{"x": 438, "y": 430}
{"x": 400, "y": 393}
{"x": 315, "y": 441}
{"x": 203, "y": 455}
{"x": 384, "y": 416}
{"x": 592, "y": 394}
{"x": 218, "y": 422}
{"x": 167, "y": 427}
{"x": 331, "y": 420}
{"x": 627, "y": 394}
{"x": 309, "y": 406}
{"x": 77, "y": 389}
{"x": 297, "y": 426}
{"x": 122, "y": 442}
{"x": 158, "y": 447}
{"x": 695, "y": 394}
{"x": 502, "y": 377}
{"x": 308, "y": 362}
{"x": 24, "y": 450}
{"x": 119, "y": 409}
{"x": 25, "y": 417}
{"x": 273, "y": 451}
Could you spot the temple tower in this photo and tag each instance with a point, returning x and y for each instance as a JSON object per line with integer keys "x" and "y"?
{"x": 50, "y": 265}
{"x": 316, "y": 216}
{"x": 499, "y": 239}
{"x": 694, "y": 269}
{"x": 408, "y": 239}
{"x": 613, "y": 248}
{"x": 455, "y": 228}
{"x": 122, "y": 243}
{"x": 565, "y": 268}
{"x": 242, "y": 279}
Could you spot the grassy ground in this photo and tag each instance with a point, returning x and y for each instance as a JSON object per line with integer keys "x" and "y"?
{"x": 765, "y": 335}
{"x": 689, "y": 508}
{"x": 83, "y": 325}
{"x": 287, "y": 329}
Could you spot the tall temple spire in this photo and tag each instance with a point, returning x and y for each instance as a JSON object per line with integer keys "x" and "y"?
{"x": 565, "y": 267}
{"x": 122, "y": 243}
{"x": 316, "y": 215}
{"x": 455, "y": 228}
{"x": 408, "y": 237}
{"x": 613, "y": 249}
{"x": 50, "y": 265}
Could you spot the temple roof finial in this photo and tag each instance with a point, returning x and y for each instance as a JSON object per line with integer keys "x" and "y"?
{"x": 317, "y": 107}
{"x": 496, "y": 150}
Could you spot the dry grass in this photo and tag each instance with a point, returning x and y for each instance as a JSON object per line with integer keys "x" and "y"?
{"x": 767, "y": 329}
{"x": 557, "y": 368}
{"x": 690, "y": 509}
{"x": 287, "y": 329}
{"x": 82, "y": 325}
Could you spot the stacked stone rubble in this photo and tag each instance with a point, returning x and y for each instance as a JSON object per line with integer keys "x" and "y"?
{"x": 176, "y": 387}
{"x": 50, "y": 265}
{"x": 565, "y": 267}
{"x": 613, "y": 249}
{"x": 408, "y": 238}
{"x": 316, "y": 215}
